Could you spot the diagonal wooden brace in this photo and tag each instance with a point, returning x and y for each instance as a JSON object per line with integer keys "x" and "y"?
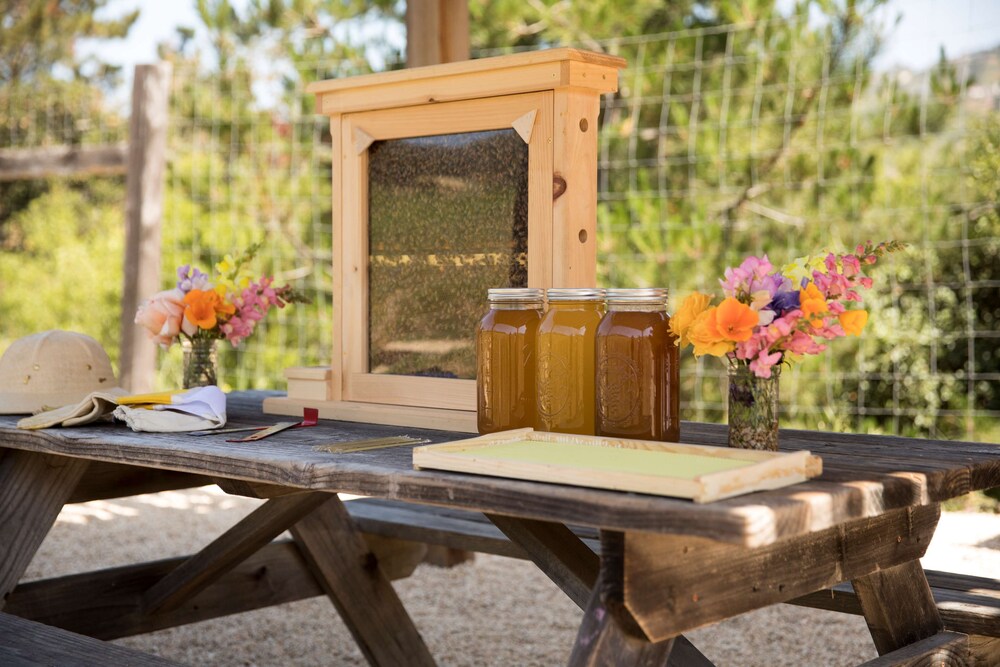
{"x": 350, "y": 575}
{"x": 229, "y": 550}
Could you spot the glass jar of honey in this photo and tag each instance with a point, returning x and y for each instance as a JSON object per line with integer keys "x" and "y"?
{"x": 638, "y": 377}
{"x": 564, "y": 360}
{"x": 505, "y": 347}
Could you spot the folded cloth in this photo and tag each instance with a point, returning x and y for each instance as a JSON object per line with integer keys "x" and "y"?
{"x": 96, "y": 405}
{"x": 195, "y": 409}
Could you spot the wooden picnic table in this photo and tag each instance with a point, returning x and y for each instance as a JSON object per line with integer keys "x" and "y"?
{"x": 664, "y": 566}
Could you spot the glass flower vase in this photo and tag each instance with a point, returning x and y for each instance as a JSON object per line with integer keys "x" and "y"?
{"x": 201, "y": 362}
{"x": 753, "y": 409}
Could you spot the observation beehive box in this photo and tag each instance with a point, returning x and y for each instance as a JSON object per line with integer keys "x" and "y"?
{"x": 448, "y": 180}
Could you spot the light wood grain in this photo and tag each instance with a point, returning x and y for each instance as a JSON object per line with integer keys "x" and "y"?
{"x": 144, "y": 185}
{"x": 437, "y": 31}
{"x": 574, "y": 214}
{"x": 517, "y": 91}
{"x": 457, "y": 421}
{"x": 338, "y": 270}
{"x": 540, "y": 203}
{"x": 360, "y": 130}
{"x": 504, "y": 75}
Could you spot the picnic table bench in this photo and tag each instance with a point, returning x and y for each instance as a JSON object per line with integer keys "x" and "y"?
{"x": 25, "y": 643}
{"x": 645, "y": 569}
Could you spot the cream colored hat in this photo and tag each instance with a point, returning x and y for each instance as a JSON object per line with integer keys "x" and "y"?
{"x": 52, "y": 369}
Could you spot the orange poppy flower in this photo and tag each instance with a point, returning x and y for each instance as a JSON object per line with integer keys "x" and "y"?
{"x": 204, "y": 306}
{"x": 735, "y": 321}
{"x": 853, "y": 321}
{"x": 705, "y": 337}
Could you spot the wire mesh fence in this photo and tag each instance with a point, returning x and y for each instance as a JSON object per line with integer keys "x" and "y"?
{"x": 786, "y": 137}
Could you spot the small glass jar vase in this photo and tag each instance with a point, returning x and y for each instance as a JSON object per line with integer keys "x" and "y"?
{"x": 753, "y": 409}
{"x": 201, "y": 362}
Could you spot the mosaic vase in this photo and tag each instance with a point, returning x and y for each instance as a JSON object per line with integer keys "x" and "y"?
{"x": 753, "y": 409}
{"x": 201, "y": 362}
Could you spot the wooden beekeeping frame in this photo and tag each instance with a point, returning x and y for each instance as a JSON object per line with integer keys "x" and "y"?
{"x": 552, "y": 100}
{"x": 699, "y": 472}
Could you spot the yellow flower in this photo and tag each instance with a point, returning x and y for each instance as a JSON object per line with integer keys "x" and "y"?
{"x": 803, "y": 267}
{"x": 693, "y": 306}
{"x": 704, "y": 335}
{"x": 226, "y": 266}
{"x": 853, "y": 321}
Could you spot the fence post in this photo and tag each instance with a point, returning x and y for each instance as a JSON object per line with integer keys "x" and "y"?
{"x": 144, "y": 183}
{"x": 437, "y": 31}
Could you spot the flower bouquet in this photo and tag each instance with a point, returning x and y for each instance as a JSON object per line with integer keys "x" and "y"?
{"x": 204, "y": 309}
{"x": 770, "y": 316}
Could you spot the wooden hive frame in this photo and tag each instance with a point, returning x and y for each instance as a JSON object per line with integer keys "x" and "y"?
{"x": 552, "y": 100}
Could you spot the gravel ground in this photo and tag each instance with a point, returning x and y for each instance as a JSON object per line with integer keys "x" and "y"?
{"x": 493, "y": 611}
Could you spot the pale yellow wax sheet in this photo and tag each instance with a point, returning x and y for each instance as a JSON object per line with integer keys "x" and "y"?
{"x": 616, "y": 459}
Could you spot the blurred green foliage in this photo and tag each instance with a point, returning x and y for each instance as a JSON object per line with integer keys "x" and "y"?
{"x": 740, "y": 127}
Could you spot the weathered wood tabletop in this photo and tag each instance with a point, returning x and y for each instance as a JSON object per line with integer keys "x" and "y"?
{"x": 666, "y": 565}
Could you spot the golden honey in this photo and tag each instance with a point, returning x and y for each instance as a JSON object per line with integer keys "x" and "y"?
{"x": 564, "y": 361}
{"x": 505, "y": 361}
{"x": 637, "y": 370}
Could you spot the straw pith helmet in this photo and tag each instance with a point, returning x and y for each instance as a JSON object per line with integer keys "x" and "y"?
{"x": 51, "y": 369}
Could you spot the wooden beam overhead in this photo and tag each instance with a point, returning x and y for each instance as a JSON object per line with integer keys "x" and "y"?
{"x": 437, "y": 31}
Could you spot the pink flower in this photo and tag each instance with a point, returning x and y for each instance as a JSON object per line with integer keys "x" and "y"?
{"x": 831, "y": 263}
{"x": 749, "y": 348}
{"x": 802, "y": 343}
{"x": 852, "y": 266}
{"x": 865, "y": 282}
{"x": 762, "y": 364}
{"x": 836, "y": 307}
{"x": 162, "y": 315}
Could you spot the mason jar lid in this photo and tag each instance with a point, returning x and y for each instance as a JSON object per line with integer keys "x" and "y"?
{"x": 575, "y": 294}
{"x": 637, "y": 295}
{"x": 508, "y": 294}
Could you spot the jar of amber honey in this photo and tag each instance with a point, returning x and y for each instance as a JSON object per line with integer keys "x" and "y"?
{"x": 638, "y": 378}
{"x": 505, "y": 346}
{"x": 564, "y": 360}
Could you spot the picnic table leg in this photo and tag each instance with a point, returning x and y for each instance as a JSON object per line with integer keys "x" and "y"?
{"x": 33, "y": 489}
{"x": 898, "y": 606}
{"x": 574, "y": 567}
{"x": 350, "y": 574}
{"x": 609, "y": 635}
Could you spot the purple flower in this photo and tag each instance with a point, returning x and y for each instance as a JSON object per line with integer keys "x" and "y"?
{"x": 784, "y": 301}
{"x": 189, "y": 279}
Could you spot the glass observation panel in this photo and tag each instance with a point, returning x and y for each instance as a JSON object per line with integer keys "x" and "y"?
{"x": 447, "y": 220}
